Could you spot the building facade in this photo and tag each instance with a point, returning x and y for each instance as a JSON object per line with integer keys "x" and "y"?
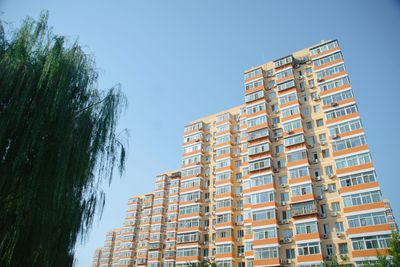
{"x": 286, "y": 179}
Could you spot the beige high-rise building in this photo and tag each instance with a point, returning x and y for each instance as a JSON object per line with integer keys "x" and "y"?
{"x": 286, "y": 179}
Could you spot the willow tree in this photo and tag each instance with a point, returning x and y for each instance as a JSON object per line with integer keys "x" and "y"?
{"x": 58, "y": 143}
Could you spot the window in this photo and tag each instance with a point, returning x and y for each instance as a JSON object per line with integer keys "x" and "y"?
{"x": 349, "y": 143}
{"x": 259, "y": 148}
{"x": 258, "y": 134}
{"x": 254, "y": 84}
{"x": 284, "y": 74}
{"x": 289, "y": 126}
{"x": 334, "y": 84}
{"x": 306, "y": 228}
{"x": 325, "y": 153}
{"x": 263, "y": 214}
{"x": 359, "y": 178}
{"x": 317, "y": 108}
{"x": 290, "y": 254}
{"x": 263, "y": 197}
{"x": 264, "y": 233}
{"x": 362, "y": 198}
{"x": 252, "y": 74}
{"x": 340, "y": 112}
{"x": 223, "y": 163}
{"x": 337, "y": 97}
{"x": 266, "y": 253}
{"x": 283, "y": 61}
{"x": 324, "y": 47}
{"x": 286, "y": 85}
{"x": 290, "y": 111}
{"x": 186, "y": 252}
{"x": 256, "y": 108}
{"x": 329, "y": 249}
{"x": 187, "y": 237}
{"x": 339, "y": 227}
{"x": 301, "y": 190}
{"x": 368, "y": 219}
{"x": 309, "y": 249}
{"x": 309, "y": 125}
{"x": 294, "y": 140}
{"x": 330, "y": 71}
{"x": 299, "y": 172}
{"x": 327, "y": 59}
{"x": 371, "y": 242}
{"x": 344, "y": 127}
{"x": 298, "y": 155}
{"x": 353, "y": 160}
{"x": 260, "y": 164}
{"x": 257, "y": 121}
{"x": 343, "y": 249}
{"x": 335, "y": 206}
{"x": 261, "y": 180}
{"x": 287, "y": 98}
{"x": 224, "y": 249}
{"x": 319, "y": 122}
{"x": 254, "y": 96}
{"x": 189, "y": 209}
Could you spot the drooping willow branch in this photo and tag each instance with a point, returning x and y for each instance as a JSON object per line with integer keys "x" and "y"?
{"x": 58, "y": 142}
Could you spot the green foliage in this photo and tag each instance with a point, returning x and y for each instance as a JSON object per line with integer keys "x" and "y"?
{"x": 394, "y": 250}
{"x": 58, "y": 142}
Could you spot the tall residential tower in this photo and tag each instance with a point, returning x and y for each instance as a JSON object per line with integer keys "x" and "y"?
{"x": 286, "y": 179}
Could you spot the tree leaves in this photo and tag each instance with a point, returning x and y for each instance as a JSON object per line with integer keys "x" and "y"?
{"x": 58, "y": 142}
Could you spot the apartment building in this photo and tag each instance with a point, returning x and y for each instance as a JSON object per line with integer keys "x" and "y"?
{"x": 285, "y": 179}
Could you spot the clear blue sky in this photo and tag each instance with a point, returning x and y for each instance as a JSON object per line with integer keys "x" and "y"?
{"x": 180, "y": 60}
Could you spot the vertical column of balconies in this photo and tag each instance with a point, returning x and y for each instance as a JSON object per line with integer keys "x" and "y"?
{"x": 144, "y": 230}
{"x": 96, "y": 258}
{"x": 260, "y": 221}
{"x": 351, "y": 169}
{"x": 108, "y": 249}
{"x": 129, "y": 232}
{"x": 117, "y": 248}
{"x": 191, "y": 198}
{"x": 172, "y": 220}
{"x": 228, "y": 191}
{"x": 158, "y": 221}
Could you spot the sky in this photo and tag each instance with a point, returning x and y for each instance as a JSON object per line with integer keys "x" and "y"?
{"x": 178, "y": 61}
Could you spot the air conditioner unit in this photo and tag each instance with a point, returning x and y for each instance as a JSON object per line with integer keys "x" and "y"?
{"x": 317, "y": 178}
{"x": 205, "y": 228}
{"x": 339, "y": 234}
{"x": 331, "y": 175}
{"x": 315, "y": 161}
{"x": 334, "y": 104}
{"x": 316, "y": 98}
{"x": 273, "y": 125}
{"x": 309, "y": 74}
{"x": 326, "y": 188}
{"x": 277, "y": 111}
{"x": 320, "y": 80}
{"x": 334, "y": 214}
{"x": 276, "y": 170}
{"x": 322, "y": 215}
{"x": 312, "y": 86}
{"x": 241, "y": 254}
{"x": 310, "y": 146}
{"x": 283, "y": 203}
{"x": 325, "y": 236}
{"x": 320, "y": 197}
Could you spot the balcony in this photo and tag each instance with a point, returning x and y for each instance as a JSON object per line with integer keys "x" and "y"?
{"x": 303, "y": 209}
